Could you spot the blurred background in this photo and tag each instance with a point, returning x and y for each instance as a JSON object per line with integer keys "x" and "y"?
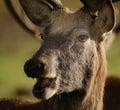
{"x": 17, "y": 45}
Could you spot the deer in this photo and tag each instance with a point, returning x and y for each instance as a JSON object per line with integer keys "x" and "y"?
{"x": 70, "y": 67}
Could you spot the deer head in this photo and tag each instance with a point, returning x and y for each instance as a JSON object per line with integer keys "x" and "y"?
{"x": 72, "y": 54}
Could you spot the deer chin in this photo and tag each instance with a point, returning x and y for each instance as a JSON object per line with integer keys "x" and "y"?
{"x": 45, "y": 88}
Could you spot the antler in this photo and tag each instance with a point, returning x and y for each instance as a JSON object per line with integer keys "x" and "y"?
{"x": 95, "y": 5}
{"x": 115, "y": 1}
{"x": 28, "y": 15}
{"x": 19, "y": 15}
{"x": 57, "y": 4}
{"x": 40, "y": 11}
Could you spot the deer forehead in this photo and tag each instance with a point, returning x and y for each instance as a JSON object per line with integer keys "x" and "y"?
{"x": 66, "y": 22}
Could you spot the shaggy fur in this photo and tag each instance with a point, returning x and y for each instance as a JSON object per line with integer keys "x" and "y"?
{"x": 59, "y": 102}
{"x": 70, "y": 66}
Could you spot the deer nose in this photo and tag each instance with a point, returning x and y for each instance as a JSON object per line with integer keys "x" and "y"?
{"x": 33, "y": 68}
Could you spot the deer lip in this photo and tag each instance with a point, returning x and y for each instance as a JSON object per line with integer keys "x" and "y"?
{"x": 42, "y": 84}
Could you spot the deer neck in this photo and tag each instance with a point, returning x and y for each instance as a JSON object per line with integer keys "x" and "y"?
{"x": 93, "y": 99}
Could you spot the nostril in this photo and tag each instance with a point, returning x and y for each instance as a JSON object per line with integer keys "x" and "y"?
{"x": 33, "y": 68}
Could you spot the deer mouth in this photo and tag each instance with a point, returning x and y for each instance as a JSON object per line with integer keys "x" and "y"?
{"x": 41, "y": 86}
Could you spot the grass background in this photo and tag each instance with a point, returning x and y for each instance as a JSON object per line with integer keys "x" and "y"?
{"x": 16, "y": 46}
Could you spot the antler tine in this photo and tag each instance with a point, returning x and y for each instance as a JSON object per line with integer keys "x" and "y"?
{"x": 93, "y": 6}
{"x": 115, "y": 1}
{"x": 57, "y": 4}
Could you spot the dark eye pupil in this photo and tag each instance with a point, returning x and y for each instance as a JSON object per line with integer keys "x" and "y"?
{"x": 42, "y": 36}
{"x": 82, "y": 38}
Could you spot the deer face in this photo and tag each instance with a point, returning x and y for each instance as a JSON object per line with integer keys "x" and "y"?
{"x": 65, "y": 56}
{"x": 69, "y": 56}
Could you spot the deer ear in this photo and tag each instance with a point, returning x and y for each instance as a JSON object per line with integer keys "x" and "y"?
{"x": 39, "y": 12}
{"x": 106, "y": 17}
{"x": 105, "y": 20}
{"x": 102, "y": 12}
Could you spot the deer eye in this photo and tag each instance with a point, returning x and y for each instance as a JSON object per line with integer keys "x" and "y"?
{"x": 82, "y": 38}
{"x": 42, "y": 36}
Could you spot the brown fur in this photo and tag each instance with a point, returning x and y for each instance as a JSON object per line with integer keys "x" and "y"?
{"x": 111, "y": 100}
{"x": 112, "y": 94}
{"x": 70, "y": 66}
